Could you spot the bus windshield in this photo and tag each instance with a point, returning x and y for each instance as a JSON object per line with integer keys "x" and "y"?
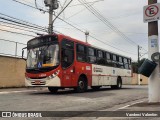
{"x": 44, "y": 56}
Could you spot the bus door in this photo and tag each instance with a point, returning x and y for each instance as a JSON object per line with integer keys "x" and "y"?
{"x": 67, "y": 60}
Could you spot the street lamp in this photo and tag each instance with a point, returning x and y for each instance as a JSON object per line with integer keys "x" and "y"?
{"x": 86, "y": 33}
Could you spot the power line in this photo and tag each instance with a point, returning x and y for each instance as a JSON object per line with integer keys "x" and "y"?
{"x": 85, "y": 3}
{"x": 62, "y": 11}
{"x": 77, "y": 13}
{"x": 11, "y": 41}
{"x": 105, "y": 21}
{"x": 39, "y": 8}
{"x": 23, "y": 26}
{"x": 111, "y": 45}
{"x": 10, "y": 20}
{"x": 16, "y": 33}
{"x": 74, "y": 27}
{"x": 30, "y": 6}
{"x": 19, "y": 29}
{"x": 24, "y": 22}
{"x": 71, "y": 25}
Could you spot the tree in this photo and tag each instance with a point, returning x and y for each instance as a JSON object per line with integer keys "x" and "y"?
{"x": 136, "y": 65}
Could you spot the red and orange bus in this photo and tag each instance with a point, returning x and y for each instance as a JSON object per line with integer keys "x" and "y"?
{"x": 58, "y": 61}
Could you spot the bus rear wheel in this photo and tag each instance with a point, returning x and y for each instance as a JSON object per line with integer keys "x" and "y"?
{"x": 119, "y": 84}
{"x": 53, "y": 89}
{"x": 82, "y": 85}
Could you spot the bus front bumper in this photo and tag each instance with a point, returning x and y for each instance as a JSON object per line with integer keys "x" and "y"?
{"x": 46, "y": 82}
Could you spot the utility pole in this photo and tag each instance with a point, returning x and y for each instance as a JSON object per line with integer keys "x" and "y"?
{"x": 50, "y": 28}
{"x": 139, "y": 76}
{"x": 138, "y": 54}
{"x": 53, "y": 5}
{"x": 86, "y": 33}
{"x": 154, "y": 80}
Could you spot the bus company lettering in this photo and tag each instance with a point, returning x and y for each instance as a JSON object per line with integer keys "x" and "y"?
{"x": 88, "y": 68}
{"x": 42, "y": 75}
{"x": 97, "y": 69}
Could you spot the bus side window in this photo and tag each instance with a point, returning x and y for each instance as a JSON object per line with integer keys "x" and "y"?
{"x": 114, "y": 60}
{"x": 108, "y": 59}
{"x": 126, "y": 65}
{"x": 81, "y": 53}
{"x": 121, "y": 64}
{"x": 67, "y": 53}
{"x": 100, "y": 58}
{"x": 91, "y": 56}
{"x": 129, "y": 63}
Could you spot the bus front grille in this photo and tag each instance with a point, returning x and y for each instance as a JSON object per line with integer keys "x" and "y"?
{"x": 38, "y": 82}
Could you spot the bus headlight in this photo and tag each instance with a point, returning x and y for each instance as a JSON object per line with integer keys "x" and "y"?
{"x": 27, "y": 78}
{"x": 54, "y": 74}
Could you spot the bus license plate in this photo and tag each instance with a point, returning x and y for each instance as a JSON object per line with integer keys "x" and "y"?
{"x": 37, "y": 82}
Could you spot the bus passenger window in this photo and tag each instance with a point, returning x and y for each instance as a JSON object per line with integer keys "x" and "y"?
{"x": 100, "y": 58}
{"x": 129, "y": 60}
{"x": 108, "y": 59}
{"x": 120, "y": 59}
{"x": 67, "y": 58}
{"x": 91, "y": 52}
{"x": 108, "y": 55}
{"x": 91, "y": 58}
{"x": 67, "y": 53}
{"x": 81, "y": 53}
{"x": 121, "y": 65}
{"x": 114, "y": 61}
{"x": 126, "y": 65}
{"x": 114, "y": 58}
{"x": 100, "y": 54}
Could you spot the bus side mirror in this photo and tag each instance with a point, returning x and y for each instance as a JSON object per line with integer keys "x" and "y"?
{"x": 23, "y": 53}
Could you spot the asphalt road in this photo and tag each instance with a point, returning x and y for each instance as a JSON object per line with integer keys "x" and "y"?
{"x": 37, "y": 99}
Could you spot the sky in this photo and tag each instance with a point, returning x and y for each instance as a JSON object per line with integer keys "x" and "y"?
{"x": 125, "y": 15}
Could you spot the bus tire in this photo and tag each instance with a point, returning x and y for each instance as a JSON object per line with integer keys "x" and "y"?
{"x": 95, "y": 87}
{"x": 82, "y": 85}
{"x": 53, "y": 89}
{"x": 119, "y": 84}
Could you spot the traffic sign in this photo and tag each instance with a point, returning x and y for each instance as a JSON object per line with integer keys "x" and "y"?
{"x": 151, "y": 12}
{"x": 39, "y": 64}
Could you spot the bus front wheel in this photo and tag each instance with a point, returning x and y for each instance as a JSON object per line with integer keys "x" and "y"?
{"x": 82, "y": 85}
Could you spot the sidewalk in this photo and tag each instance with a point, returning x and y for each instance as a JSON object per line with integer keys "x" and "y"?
{"x": 22, "y": 89}
{"x": 138, "y": 111}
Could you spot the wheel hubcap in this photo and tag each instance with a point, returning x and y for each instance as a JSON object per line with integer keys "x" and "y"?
{"x": 81, "y": 84}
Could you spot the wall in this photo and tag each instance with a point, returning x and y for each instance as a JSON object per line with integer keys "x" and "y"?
{"x": 135, "y": 80}
{"x": 12, "y": 72}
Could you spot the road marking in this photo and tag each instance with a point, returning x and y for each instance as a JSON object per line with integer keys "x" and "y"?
{"x": 8, "y": 92}
{"x": 129, "y": 105}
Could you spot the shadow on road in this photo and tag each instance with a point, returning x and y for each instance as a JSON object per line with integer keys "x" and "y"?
{"x": 94, "y": 93}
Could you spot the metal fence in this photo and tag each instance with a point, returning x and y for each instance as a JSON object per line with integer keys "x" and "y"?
{"x": 11, "y": 48}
